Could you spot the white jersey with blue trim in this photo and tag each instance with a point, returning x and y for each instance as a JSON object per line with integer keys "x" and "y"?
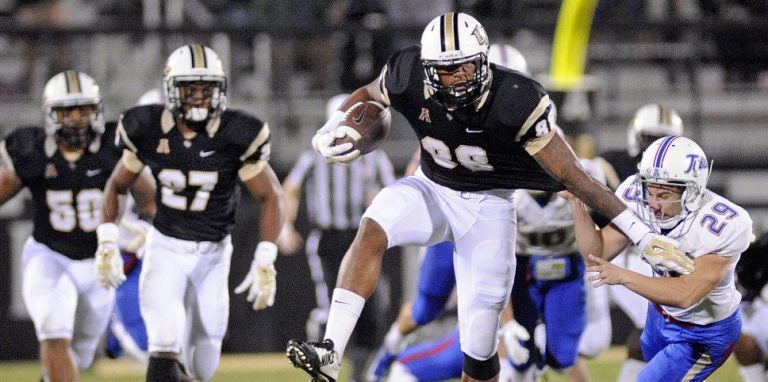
{"x": 548, "y": 230}
{"x": 719, "y": 227}
{"x": 544, "y": 230}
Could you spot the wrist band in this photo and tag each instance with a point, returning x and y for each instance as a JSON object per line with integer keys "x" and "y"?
{"x": 631, "y": 225}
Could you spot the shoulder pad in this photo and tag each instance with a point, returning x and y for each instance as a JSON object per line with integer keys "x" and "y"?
{"x": 139, "y": 121}
{"x": 25, "y": 149}
{"x": 526, "y": 93}
{"x": 400, "y": 68}
{"x": 109, "y": 141}
{"x": 239, "y": 127}
{"x": 25, "y": 143}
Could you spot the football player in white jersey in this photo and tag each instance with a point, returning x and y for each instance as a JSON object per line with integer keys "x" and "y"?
{"x": 199, "y": 153}
{"x": 693, "y": 321}
{"x": 649, "y": 123}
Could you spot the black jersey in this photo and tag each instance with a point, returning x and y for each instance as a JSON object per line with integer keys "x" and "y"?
{"x": 470, "y": 150}
{"x": 752, "y": 268}
{"x": 197, "y": 178}
{"x": 67, "y": 196}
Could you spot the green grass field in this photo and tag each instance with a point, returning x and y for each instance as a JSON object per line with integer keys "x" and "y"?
{"x": 274, "y": 367}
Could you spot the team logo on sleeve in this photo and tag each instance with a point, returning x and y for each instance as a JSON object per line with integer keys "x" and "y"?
{"x": 424, "y": 116}
{"x": 163, "y": 147}
{"x": 50, "y": 171}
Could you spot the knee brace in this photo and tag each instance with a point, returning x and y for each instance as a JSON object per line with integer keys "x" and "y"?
{"x": 204, "y": 359}
{"x": 481, "y": 340}
{"x": 482, "y": 370}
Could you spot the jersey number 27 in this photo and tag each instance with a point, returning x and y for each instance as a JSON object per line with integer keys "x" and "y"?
{"x": 172, "y": 181}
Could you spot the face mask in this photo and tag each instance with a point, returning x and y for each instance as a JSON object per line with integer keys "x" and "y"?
{"x": 196, "y": 114}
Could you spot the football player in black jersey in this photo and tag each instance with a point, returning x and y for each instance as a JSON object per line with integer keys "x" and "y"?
{"x": 751, "y": 350}
{"x": 484, "y": 132}
{"x": 649, "y": 123}
{"x": 65, "y": 165}
{"x": 198, "y": 152}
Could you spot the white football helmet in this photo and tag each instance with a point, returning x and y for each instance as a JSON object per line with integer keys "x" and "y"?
{"x": 679, "y": 162}
{"x": 189, "y": 64}
{"x": 67, "y": 89}
{"x": 152, "y": 96}
{"x": 453, "y": 39}
{"x": 506, "y": 55}
{"x": 650, "y": 123}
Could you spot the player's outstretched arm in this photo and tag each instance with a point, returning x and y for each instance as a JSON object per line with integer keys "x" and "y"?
{"x": 10, "y": 184}
{"x": 143, "y": 192}
{"x": 123, "y": 177}
{"x": 559, "y": 160}
{"x": 681, "y": 292}
{"x": 265, "y": 187}
{"x": 109, "y": 262}
{"x": 261, "y": 280}
{"x": 290, "y": 241}
{"x": 604, "y": 243}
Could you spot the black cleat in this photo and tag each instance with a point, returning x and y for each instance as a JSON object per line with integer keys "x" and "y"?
{"x": 318, "y": 359}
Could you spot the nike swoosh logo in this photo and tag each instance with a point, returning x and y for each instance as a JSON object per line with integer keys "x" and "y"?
{"x": 473, "y": 131}
{"x": 91, "y": 173}
{"x": 341, "y": 302}
{"x": 359, "y": 119}
{"x": 204, "y": 154}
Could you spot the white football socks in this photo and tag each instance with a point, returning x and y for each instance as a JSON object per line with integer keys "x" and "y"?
{"x": 630, "y": 369}
{"x": 752, "y": 373}
{"x": 342, "y": 318}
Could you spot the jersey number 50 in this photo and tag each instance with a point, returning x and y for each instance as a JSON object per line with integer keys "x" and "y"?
{"x": 68, "y": 211}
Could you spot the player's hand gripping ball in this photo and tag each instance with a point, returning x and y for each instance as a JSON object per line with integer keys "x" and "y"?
{"x": 366, "y": 125}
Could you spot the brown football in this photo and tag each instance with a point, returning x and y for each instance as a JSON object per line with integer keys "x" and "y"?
{"x": 371, "y": 121}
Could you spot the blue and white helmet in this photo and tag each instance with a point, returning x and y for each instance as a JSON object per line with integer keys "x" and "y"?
{"x": 678, "y": 162}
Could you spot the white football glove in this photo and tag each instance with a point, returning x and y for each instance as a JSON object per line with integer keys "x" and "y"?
{"x": 664, "y": 253}
{"x": 261, "y": 280}
{"x": 137, "y": 231}
{"x": 322, "y": 142}
{"x": 109, "y": 262}
{"x": 513, "y": 335}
